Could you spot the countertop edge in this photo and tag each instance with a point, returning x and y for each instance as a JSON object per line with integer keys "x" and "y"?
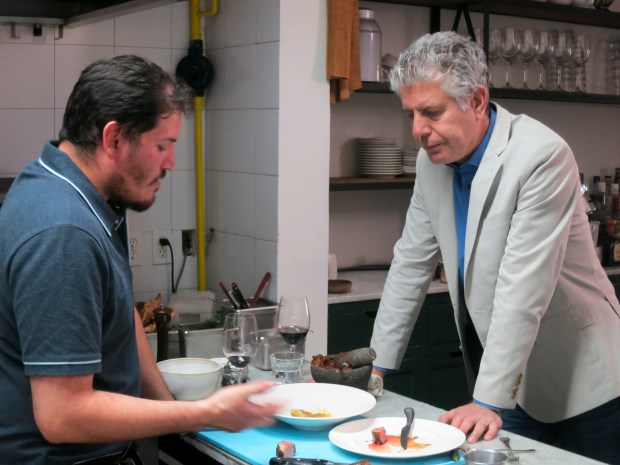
{"x": 368, "y": 285}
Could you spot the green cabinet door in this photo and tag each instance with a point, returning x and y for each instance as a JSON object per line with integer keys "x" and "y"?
{"x": 432, "y": 370}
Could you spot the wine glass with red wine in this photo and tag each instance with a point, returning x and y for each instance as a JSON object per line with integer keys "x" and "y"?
{"x": 240, "y": 338}
{"x": 293, "y": 319}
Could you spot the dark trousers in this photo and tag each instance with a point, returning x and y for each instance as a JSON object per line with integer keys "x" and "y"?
{"x": 594, "y": 434}
{"x": 128, "y": 457}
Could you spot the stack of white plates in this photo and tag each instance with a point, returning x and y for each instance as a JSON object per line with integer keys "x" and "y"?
{"x": 379, "y": 158}
{"x": 409, "y": 159}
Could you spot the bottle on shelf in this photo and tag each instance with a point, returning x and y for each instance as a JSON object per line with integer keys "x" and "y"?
{"x": 604, "y": 207}
{"x": 610, "y": 243}
{"x": 615, "y": 201}
{"x": 595, "y": 199}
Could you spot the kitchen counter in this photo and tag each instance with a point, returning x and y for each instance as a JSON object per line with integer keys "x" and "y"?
{"x": 388, "y": 405}
{"x": 368, "y": 285}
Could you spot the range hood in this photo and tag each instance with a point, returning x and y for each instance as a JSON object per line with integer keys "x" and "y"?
{"x": 70, "y": 12}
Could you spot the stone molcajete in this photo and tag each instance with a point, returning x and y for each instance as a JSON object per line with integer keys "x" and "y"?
{"x": 351, "y": 368}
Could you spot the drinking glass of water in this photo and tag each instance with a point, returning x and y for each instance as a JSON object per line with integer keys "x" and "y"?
{"x": 286, "y": 366}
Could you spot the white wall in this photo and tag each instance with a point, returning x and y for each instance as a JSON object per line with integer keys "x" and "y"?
{"x": 266, "y": 138}
{"x": 37, "y": 76}
{"x": 241, "y": 144}
{"x": 304, "y": 161}
{"x": 357, "y": 236}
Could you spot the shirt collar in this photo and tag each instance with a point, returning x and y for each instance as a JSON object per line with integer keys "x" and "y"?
{"x": 60, "y": 165}
{"x": 476, "y": 156}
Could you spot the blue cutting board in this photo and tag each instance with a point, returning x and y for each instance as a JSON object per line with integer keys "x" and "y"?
{"x": 257, "y": 445}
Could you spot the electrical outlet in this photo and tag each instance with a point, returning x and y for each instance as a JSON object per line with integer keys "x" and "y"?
{"x": 135, "y": 258}
{"x": 188, "y": 242}
{"x": 161, "y": 253}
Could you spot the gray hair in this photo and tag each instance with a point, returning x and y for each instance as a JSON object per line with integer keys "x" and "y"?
{"x": 456, "y": 61}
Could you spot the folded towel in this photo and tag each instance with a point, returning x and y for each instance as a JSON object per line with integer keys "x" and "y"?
{"x": 343, "y": 48}
{"x": 375, "y": 385}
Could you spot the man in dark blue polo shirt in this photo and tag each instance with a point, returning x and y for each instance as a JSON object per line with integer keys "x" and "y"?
{"x": 77, "y": 379}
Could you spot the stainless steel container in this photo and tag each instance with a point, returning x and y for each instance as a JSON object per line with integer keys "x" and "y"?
{"x": 200, "y": 340}
{"x": 265, "y": 312}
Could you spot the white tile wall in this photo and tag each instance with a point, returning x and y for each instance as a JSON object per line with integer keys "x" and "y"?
{"x": 268, "y": 21}
{"x": 69, "y": 61}
{"x": 266, "y": 215}
{"x": 267, "y": 142}
{"x": 230, "y": 142}
{"x": 31, "y": 112}
{"x": 99, "y": 33}
{"x": 149, "y": 28}
{"x": 21, "y": 83}
{"x": 235, "y": 24}
{"x": 22, "y": 133}
{"x": 241, "y": 142}
{"x": 267, "y": 70}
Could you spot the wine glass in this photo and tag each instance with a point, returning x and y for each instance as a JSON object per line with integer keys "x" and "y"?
{"x": 495, "y": 44}
{"x": 509, "y": 52}
{"x": 527, "y": 52}
{"x": 240, "y": 338}
{"x": 544, "y": 52}
{"x": 563, "y": 54}
{"x": 581, "y": 54}
{"x": 293, "y": 319}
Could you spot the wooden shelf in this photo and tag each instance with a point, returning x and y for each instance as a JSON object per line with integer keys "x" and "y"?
{"x": 526, "y": 9}
{"x": 520, "y": 94}
{"x": 360, "y": 183}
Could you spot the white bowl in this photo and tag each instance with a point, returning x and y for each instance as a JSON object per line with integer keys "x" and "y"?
{"x": 341, "y": 402}
{"x": 190, "y": 378}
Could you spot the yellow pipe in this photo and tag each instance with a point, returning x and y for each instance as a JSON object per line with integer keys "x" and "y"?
{"x": 194, "y": 21}
{"x": 200, "y": 210}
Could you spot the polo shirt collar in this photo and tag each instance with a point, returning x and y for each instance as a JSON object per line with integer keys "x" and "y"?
{"x": 60, "y": 165}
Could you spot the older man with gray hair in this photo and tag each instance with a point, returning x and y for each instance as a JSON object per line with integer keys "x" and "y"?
{"x": 498, "y": 196}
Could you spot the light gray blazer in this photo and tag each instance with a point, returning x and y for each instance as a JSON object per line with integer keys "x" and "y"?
{"x": 541, "y": 304}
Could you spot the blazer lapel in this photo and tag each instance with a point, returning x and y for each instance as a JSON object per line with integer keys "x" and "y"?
{"x": 481, "y": 186}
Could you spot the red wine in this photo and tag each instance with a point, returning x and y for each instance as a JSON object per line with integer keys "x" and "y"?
{"x": 293, "y": 334}
{"x": 239, "y": 361}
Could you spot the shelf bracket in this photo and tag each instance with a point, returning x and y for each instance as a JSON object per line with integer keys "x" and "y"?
{"x": 463, "y": 9}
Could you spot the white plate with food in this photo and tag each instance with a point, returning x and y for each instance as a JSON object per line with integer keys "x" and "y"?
{"x": 316, "y": 406}
{"x": 427, "y": 437}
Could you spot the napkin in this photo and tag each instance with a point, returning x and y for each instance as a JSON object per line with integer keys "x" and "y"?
{"x": 375, "y": 385}
{"x": 343, "y": 48}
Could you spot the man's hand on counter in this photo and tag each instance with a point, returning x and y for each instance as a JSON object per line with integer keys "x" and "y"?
{"x": 475, "y": 420}
{"x": 230, "y": 409}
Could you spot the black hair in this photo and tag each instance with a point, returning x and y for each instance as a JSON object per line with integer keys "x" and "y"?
{"x": 127, "y": 89}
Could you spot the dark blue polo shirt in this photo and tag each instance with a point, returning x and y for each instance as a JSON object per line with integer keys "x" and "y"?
{"x": 66, "y": 300}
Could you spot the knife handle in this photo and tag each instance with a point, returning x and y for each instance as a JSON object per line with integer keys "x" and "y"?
{"x": 409, "y": 414}
{"x": 297, "y": 461}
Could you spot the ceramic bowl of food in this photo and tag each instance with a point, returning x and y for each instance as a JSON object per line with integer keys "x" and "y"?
{"x": 191, "y": 378}
{"x": 354, "y": 377}
{"x": 316, "y": 406}
{"x": 352, "y": 368}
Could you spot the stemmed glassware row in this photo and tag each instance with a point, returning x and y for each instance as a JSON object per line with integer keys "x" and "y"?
{"x": 562, "y": 52}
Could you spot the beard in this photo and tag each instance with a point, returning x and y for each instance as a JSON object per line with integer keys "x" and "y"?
{"x": 121, "y": 194}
